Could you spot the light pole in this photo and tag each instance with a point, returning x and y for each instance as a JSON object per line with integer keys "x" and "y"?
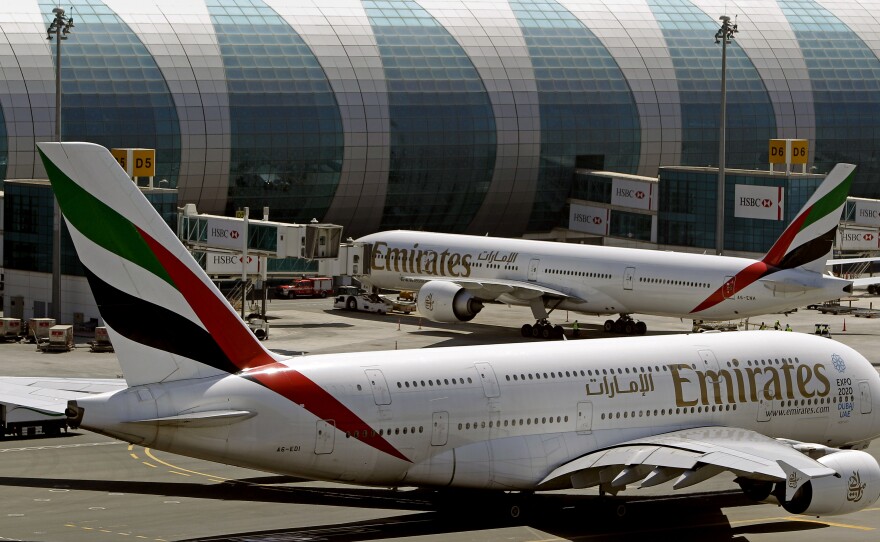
{"x": 723, "y": 36}
{"x": 58, "y": 29}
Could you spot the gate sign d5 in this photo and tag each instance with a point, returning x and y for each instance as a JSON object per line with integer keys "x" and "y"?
{"x": 136, "y": 162}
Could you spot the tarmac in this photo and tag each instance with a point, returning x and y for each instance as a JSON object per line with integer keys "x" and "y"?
{"x": 82, "y": 486}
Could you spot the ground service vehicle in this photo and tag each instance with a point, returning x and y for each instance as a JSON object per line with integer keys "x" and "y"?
{"x": 306, "y": 287}
{"x": 787, "y": 413}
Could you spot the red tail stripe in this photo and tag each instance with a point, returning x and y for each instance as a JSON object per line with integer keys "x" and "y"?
{"x": 780, "y": 247}
{"x": 742, "y": 280}
{"x": 303, "y": 391}
{"x": 236, "y": 341}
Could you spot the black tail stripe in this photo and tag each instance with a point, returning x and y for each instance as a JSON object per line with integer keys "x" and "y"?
{"x": 812, "y": 250}
{"x": 157, "y": 327}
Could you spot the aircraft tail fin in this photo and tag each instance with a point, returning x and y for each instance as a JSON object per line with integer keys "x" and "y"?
{"x": 806, "y": 242}
{"x": 165, "y": 317}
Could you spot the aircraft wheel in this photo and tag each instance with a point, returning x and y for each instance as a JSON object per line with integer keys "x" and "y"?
{"x": 629, "y": 327}
{"x": 546, "y": 331}
{"x": 641, "y": 328}
{"x": 608, "y": 326}
{"x": 526, "y": 330}
{"x": 558, "y": 332}
{"x": 618, "y": 327}
{"x": 515, "y": 512}
{"x": 351, "y": 304}
{"x": 756, "y": 490}
{"x": 536, "y": 331}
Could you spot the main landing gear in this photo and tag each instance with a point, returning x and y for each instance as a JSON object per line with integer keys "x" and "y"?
{"x": 542, "y": 329}
{"x": 625, "y": 325}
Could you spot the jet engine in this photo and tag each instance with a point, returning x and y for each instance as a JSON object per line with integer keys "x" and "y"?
{"x": 855, "y": 486}
{"x": 447, "y": 302}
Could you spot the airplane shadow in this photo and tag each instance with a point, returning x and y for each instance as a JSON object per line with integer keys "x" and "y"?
{"x": 694, "y": 517}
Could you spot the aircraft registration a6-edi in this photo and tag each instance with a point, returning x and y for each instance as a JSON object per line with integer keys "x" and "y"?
{"x": 456, "y": 274}
{"x": 786, "y": 413}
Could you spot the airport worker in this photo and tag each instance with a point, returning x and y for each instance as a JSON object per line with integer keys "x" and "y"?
{"x": 776, "y": 326}
{"x": 575, "y": 327}
{"x": 762, "y": 326}
{"x": 787, "y": 327}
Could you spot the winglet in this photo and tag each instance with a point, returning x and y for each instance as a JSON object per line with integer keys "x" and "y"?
{"x": 794, "y": 479}
{"x": 807, "y": 241}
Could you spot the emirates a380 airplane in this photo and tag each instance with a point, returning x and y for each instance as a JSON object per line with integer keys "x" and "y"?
{"x": 786, "y": 413}
{"x": 456, "y": 274}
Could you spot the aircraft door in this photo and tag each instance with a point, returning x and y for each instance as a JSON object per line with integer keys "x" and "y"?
{"x": 628, "y": 274}
{"x": 865, "y": 396}
{"x": 487, "y": 378}
{"x": 764, "y": 410}
{"x": 585, "y": 418}
{"x": 379, "y": 385}
{"x": 325, "y": 436}
{"x": 533, "y": 269}
{"x": 729, "y": 287}
{"x": 440, "y": 428}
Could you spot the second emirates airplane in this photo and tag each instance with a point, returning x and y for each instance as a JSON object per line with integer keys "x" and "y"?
{"x": 787, "y": 413}
{"x": 456, "y": 274}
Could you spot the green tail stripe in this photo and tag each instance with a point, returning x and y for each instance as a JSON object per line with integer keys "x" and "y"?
{"x": 831, "y": 202}
{"x": 113, "y": 232}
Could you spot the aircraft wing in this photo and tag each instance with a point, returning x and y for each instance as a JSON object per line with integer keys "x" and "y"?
{"x": 490, "y": 289}
{"x": 50, "y": 395}
{"x": 845, "y": 261}
{"x": 865, "y": 281}
{"x": 691, "y": 456}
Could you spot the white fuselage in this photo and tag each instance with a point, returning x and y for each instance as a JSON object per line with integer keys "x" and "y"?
{"x": 599, "y": 280}
{"x": 501, "y": 416}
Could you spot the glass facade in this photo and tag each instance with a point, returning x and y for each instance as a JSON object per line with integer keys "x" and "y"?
{"x": 845, "y": 79}
{"x": 751, "y": 121}
{"x": 113, "y": 93}
{"x": 27, "y": 221}
{"x": 442, "y": 125}
{"x": 592, "y": 187}
{"x": 687, "y": 206}
{"x": 287, "y": 139}
{"x": 461, "y": 116}
{"x": 630, "y": 225}
{"x": 588, "y": 114}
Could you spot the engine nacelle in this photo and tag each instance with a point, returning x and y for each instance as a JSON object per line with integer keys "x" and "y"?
{"x": 856, "y": 486}
{"x": 447, "y": 302}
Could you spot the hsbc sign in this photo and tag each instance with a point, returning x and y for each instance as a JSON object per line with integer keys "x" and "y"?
{"x": 217, "y": 263}
{"x": 867, "y": 212}
{"x": 588, "y": 219}
{"x": 761, "y": 202}
{"x": 225, "y": 233}
{"x": 632, "y": 193}
{"x": 861, "y": 239}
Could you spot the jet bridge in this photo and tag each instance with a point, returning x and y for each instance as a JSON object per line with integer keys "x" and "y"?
{"x": 241, "y": 234}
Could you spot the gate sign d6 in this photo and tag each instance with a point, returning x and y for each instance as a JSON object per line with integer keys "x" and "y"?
{"x": 789, "y": 151}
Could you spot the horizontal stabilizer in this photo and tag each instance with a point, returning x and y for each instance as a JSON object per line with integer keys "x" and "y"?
{"x": 210, "y": 418}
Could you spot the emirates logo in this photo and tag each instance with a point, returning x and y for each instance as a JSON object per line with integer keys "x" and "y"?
{"x": 793, "y": 480}
{"x": 429, "y": 303}
{"x": 855, "y": 488}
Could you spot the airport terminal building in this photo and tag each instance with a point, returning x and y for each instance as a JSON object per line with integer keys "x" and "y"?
{"x": 447, "y": 115}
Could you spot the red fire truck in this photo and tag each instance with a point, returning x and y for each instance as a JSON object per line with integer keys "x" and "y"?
{"x": 306, "y": 287}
